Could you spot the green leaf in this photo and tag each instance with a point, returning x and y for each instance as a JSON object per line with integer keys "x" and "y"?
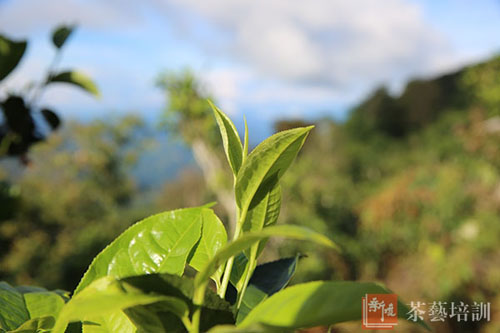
{"x": 11, "y": 53}
{"x": 213, "y": 237}
{"x": 76, "y": 78}
{"x": 230, "y": 139}
{"x": 22, "y": 304}
{"x": 253, "y": 297}
{"x": 158, "y": 244}
{"x": 233, "y": 248}
{"x": 266, "y": 164}
{"x": 273, "y": 276}
{"x": 61, "y": 34}
{"x": 239, "y": 270}
{"x": 320, "y": 303}
{"x": 43, "y": 324}
{"x": 153, "y": 318}
{"x": 157, "y": 318}
{"x": 42, "y": 304}
{"x": 116, "y": 321}
{"x": 263, "y": 214}
{"x": 102, "y": 297}
{"x": 266, "y": 280}
{"x": 13, "y": 312}
{"x": 252, "y": 329}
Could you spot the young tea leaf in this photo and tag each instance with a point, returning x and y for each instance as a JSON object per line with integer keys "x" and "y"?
{"x": 320, "y": 303}
{"x": 248, "y": 239}
{"x": 230, "y": 139}
{"x": 158, "y": 244}
{"x": 266, "y": 164}
{"x": 260, "y": 215}
{"x": 263, "y": 214}
{"x": 78, "y": 79}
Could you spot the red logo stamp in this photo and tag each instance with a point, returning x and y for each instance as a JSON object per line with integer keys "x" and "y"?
{"x": 380, "y": 311}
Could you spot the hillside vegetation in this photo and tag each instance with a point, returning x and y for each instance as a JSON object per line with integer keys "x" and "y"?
{"x": 410, "y": 186}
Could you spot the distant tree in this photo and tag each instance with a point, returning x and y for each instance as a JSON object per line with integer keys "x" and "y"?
{"x": 481, "y": 83}
{"x": 189, "y": 116}
{"x": 420, "y": 104}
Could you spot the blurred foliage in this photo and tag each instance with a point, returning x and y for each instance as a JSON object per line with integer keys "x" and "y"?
{"x": 187, "y": 113}
{"x": 72, "y": 201}
{"x": 410, "y": 186}
{"x": 22, "y": 122}
{"x": 482, "y": 83}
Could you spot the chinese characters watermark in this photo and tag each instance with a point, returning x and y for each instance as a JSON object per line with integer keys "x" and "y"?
{"x": 440, "y": 311}
{"x": 380, "y": 311}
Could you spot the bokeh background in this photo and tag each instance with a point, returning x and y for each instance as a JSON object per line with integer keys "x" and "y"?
{"x": 402, "y": 170}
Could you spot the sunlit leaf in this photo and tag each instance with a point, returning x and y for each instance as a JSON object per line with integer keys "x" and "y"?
{"x": 158, "y": 244}
{"x": 116, "y": 321}
{"x": 263, "y": 214}
{"x": 320, "y": 303}
{"x": 248, "y": 239}
{"x": 213, "y": 237}
{"x": 36, "y": 325}
{"x": 106, "y": 296}
{"x": 266, "y": 164}
{"x": 230, "y": 139}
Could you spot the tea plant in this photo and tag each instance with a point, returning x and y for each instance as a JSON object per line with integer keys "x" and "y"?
{"x": 138, "y": 282}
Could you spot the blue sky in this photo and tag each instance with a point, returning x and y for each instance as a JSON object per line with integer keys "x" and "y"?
{"x": 264, "y": 59}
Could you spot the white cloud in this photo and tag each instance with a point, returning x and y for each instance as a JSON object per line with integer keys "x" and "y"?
{"x": 227, "y": 84}
{"x": 337, "y": 43}
{"x": 21, "y": 17}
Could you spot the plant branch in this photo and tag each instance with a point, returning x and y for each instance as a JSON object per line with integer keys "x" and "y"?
{"x": 40, "y": 88}
{"x": 229, "y": 264}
